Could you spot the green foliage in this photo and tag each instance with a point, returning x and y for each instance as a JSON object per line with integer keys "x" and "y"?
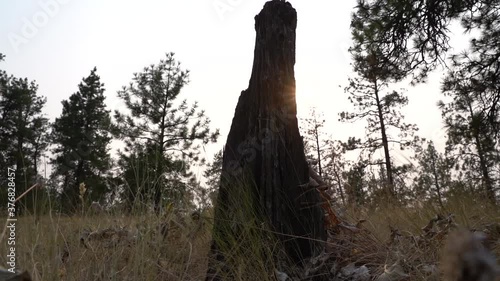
{"x": 212, "y": 177}
{"x": 376, "y": 68}
{"x": 433, "y": 175}
{"x": 3, "y": 76}
{"x": 314, "y": 140}
{"x": 140, "y": 179}
{"x": 472, "y": 116}
{"x": 412, "y": 38}
{"x": 81, "y": 137}
{"x": 355, "y": 183}
{"x": 326, "y": 156}
{"x": 381, "y": 111}
{"x": 379, "y": 107}
{"x": 23, "y": 131}
{"x": 173, "y": 131}
{"x": 335, "y": 168}
{"x": 471, "y": 135}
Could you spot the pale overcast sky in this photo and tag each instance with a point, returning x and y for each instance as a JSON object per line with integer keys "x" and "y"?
{"x": 58, "y": 42}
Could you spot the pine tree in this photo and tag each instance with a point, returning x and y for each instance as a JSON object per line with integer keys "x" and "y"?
{"x": 335, "y": 168}
{"x": 22, "y": 132}
{"x": 325, "y": 155}
{"x": 369, "y": 94}
{"x": 81, "y": 137}
{"x": 379, "y": 107}
{"x": 433, "y": 174}
{"x": 212, "y": 176}
{"x": 137, "y": 175}
{"x": 355, "y": 184}
{"x": 470, "y": 133}
{"x": 314, "y": 142}
{"x": 138, "y": 166}
{"x": 174, "y": 131}
{"x": 4, "y": 78}
{"x": 414, "y": 36}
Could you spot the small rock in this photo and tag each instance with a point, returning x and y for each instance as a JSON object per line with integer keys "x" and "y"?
{"x": 281, "y": 276}
{"x": 351, "y": 272}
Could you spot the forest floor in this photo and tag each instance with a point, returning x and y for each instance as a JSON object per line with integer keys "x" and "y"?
{"x": 406, "y": 241}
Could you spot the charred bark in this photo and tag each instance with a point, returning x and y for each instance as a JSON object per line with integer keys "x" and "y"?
{"x": 264, "y": 153}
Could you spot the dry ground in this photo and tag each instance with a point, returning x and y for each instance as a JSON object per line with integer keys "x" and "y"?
{"x": 175, "y": 247}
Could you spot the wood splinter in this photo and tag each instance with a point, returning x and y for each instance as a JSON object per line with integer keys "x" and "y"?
{"x": 316, "y": 182}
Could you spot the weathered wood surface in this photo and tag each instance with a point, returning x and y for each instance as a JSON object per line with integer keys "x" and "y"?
{"x": 264, "y": 145}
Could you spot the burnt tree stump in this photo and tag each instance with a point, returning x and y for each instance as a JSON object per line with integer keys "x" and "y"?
{"x": 264, "y": 160}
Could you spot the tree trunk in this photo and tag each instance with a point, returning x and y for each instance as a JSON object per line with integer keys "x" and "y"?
{"x": 161, "y": 145}
{"x": 318, "y": 151}
{"x": 71, "y": 203}
{"x": 488, "y": 186}
{"x": 385, "y": 142}
{"x": 489, "y": 191}
{"x": 264, "y": 162}
{"x": 436, "y": 177}
{"x": 339, "y": 184}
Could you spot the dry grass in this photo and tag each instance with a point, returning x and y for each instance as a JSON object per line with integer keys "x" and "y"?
{"x": 67, "y": 248}
{"x": 117, "y": 247}
{"x": 413, "y": 238}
